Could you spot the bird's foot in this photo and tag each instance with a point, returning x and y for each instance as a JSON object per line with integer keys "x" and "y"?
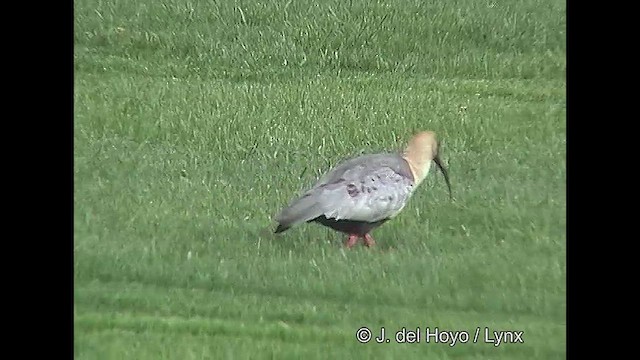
{"x": 368, "y": 240}
{"x": 353, "y": 239}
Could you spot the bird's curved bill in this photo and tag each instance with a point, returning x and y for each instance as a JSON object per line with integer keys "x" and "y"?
{"x": 438, "y": 162}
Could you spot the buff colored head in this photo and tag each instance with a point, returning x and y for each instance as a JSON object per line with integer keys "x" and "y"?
{"x": 421, "y": 150}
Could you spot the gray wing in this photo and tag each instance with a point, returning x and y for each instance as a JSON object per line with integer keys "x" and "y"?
{"x": 366, "y": 163}
{"x": 366, "y": 194}
{"x": 367, "y": 188}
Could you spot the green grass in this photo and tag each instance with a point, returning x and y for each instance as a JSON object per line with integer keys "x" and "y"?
{"x": 196, "y": 122}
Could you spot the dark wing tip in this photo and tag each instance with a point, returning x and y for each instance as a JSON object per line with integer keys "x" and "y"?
{"x": 281, "y": 228}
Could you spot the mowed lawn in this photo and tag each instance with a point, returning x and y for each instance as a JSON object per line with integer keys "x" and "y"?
{"x": 197, "y": 121}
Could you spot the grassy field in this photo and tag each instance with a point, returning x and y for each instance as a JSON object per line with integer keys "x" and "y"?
{"x": 197, "y": 121}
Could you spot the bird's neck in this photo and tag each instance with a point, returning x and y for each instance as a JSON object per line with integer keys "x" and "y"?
{"x": 419, "y": 168}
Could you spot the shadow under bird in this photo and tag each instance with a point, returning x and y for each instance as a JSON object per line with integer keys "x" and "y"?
{"x": 363, "y": 193}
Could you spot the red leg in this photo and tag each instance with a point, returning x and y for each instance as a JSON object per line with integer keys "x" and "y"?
{"x": 353, "y": 239}
{"x": 368, "y": 240}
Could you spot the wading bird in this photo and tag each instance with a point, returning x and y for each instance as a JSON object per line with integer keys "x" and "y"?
{"x": 363, "y": 193}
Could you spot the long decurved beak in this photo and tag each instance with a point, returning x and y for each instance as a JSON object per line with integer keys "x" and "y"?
{"x": 438, "y": 162}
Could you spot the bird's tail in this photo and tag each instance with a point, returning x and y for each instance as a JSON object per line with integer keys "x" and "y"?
{"x": 301, "y": 210}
